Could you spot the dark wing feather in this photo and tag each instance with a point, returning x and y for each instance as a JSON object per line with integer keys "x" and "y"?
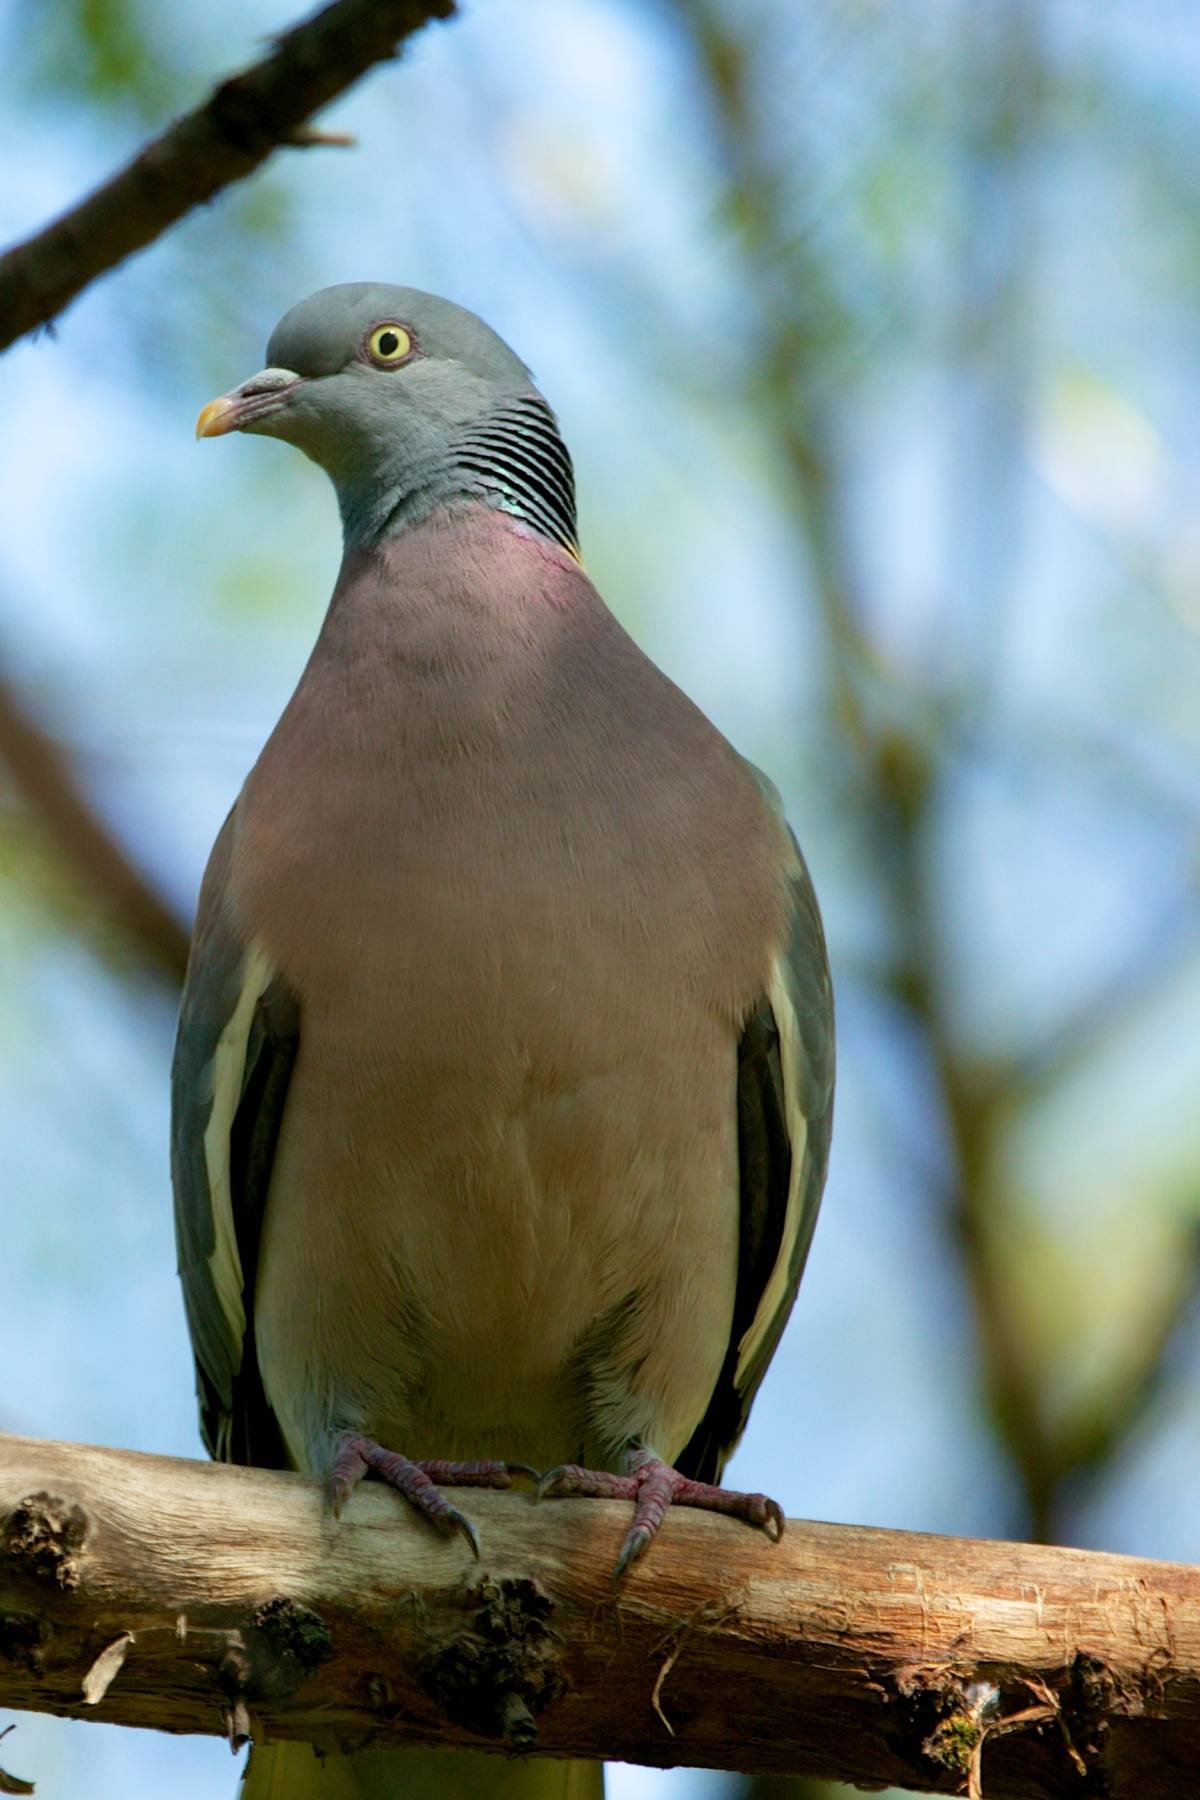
{"x": 768, "y": 1105}
{"x": 236, "y": 1420}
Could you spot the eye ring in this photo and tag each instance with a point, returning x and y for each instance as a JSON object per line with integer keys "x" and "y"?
{"x": 389, "y": 344}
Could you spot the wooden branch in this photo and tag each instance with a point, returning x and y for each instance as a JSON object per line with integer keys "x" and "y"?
{"x": 110, "y": 881}
{"x": 194, "y": 1597}
{"x": 237, "y": 128}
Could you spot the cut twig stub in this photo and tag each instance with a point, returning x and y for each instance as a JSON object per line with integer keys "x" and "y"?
{"x": 311, "y": 137}
{"x": 46, "y": 1535}
{"x": 504, "y": 1665}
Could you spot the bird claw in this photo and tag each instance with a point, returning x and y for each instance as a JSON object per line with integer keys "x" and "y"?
{"x": 419, "y": 1482}
{"x": 654, "y": 1486}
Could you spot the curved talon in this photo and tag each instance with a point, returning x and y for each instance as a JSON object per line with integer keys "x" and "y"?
{"x": 545, "y": 1482}
{"x": 453, "y": 1520}
{"x": 636, "y": 1540}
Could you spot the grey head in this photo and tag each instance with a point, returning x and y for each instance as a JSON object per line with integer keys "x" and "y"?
{"x": 408, "y": 402}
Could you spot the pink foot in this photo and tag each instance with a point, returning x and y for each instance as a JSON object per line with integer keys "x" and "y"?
{"x": 653, "y": 1486}
{"x": 417, "y": 1481}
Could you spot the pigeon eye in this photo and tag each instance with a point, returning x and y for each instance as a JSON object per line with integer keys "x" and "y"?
{"x": 389, "y": 343}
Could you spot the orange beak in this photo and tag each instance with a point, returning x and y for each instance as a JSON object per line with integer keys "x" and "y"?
{"x": 218, "y": 417}
{"x": 264, "y": 393}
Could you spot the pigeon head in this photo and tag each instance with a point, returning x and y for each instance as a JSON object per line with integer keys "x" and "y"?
{"x": 408, "y": 402}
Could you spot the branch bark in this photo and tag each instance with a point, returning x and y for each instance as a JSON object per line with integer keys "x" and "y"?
{"x": 240, "y": 124}
{"x": 193, "y": 1597}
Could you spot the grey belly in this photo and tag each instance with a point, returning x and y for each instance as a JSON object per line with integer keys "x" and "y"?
{"x": 523, "y": 1269}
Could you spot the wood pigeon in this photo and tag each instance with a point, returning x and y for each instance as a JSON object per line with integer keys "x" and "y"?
{"x": 504, "y": 1075}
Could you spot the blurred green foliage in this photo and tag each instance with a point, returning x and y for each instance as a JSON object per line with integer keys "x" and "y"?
{"x": 115, "y": 56}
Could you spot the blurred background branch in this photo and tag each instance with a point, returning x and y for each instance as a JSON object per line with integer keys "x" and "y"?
{"x": 903, "y": 738}
{"x": 246, "y": 118}
{"x": 243, "y": 122}
{"x": 904, "y": 730}
{"x": 110, "y": 883}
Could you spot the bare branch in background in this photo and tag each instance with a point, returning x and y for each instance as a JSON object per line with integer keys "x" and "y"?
{"x": 238, "y": 127}
{"x": 110, "y": 880}
{"x": 152, "y": 1591}
{"x": 895, "y": 776}
{"x": 896, "y": 752}
{"x": 243, "y": 121}
{"x": 1152, "y": 968}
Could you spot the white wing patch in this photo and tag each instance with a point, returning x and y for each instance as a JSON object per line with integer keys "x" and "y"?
{"x": 228, "y": 1068}
{"x": 775, "y": 1292}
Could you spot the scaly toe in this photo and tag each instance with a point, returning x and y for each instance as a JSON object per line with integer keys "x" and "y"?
{"x": 591, "y": 1484}
{"x": 755, "y": 1509}
{"x": 418, "y": 1482}
{"x": 474, "y": 1474}
{"x": 554, "y": 1482}
{"x": 654, "y": 1487}
{"x": 349, "y": 1467}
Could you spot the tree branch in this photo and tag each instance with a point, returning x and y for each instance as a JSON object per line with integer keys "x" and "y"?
{"x": 194, "y": 1597}
{"x": 240, "y": 124}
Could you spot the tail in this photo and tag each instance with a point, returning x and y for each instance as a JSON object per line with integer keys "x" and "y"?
{"x": 287, "y": 1771}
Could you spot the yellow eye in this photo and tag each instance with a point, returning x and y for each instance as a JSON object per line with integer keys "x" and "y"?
{"x": 389, "y": 343}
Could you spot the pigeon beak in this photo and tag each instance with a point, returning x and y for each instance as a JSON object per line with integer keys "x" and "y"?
{"x": 264, "y": 393}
